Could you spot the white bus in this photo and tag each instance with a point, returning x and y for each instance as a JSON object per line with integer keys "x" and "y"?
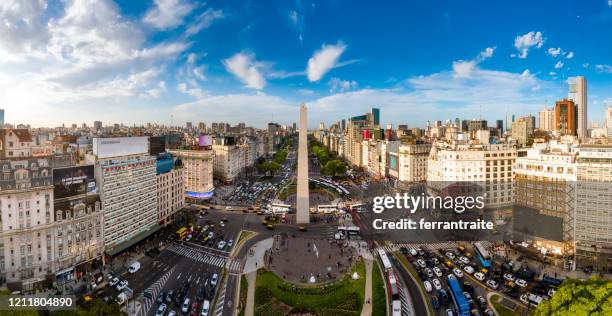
{"x": 278, "y": 208}
{"x": 349, "y": 230}
{"x": 326, "y": 209}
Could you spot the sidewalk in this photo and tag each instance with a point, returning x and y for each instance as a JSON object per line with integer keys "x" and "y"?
{"x": 249, "y": 309}
{"x": 367, "y": 304}
{"x": 255, "y": 258}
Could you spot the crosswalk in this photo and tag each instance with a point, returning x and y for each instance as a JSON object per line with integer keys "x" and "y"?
{"x": 154, "y": 289}
{"x": 198, "y": 255}
{"x": 426, "y": 246}
{"x": 218, "y": 311}
{"x": 234, "y": 266}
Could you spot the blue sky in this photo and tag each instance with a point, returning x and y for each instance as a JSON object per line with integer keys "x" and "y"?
{"x": 172, "y": 61}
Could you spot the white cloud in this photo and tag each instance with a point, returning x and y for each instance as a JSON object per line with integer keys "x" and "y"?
{"x": 559, "y": 64}
{"x": 158, "y": 91}
{"x": 569, "y": 55}
{"x": 552, "y": 73}
{"x": 603, "y": 68}
{"x": 463, "y": 68}
{"x": 610, "y": 3}
{"x": 339, "y": 85}
{"x": 324, "y": 60}
{"x": 554, "y": 52}
{"x": 525, "y": 42}
{"x": 293, "y": 16}
{"x": 298, "y": 22}
{"x": 204, "y": 21}
{"x": 245, "y": 68}
{"x": 585, "y": 65}
{"x": 167, "y": 14}
{"x": 526, "y": 74}
{"x": 194, "y": 92}
{"x": 22, "y": 28}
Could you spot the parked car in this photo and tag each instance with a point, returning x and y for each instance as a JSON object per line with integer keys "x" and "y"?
{"x": 230, "y": 243}
{"x": 114, "y": 281}
{"x": 169, "y": 296}
{"x": 221, "y": 245}
{"x": 508, "y": 277}
{"x": 427, "y": 286}
{"x": 450, "y": 255}
{"x": 468, "y": 297}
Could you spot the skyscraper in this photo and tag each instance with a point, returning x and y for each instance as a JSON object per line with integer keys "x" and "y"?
{"x": 565, "y": 117}
{"x": 578, "y": 94}
{"x": 546, "y": 119}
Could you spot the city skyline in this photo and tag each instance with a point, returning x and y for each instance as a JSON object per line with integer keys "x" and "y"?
{"x": 123, "y": 62}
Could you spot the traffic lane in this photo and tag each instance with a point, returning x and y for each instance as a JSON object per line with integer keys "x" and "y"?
{"x": 420, "y": 307}
{"x": 187, "y": 270}
{"x": 150, "y": 271}
{"x": 230, "y": 294}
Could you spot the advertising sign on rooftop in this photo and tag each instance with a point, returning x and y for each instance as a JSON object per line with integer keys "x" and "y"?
{"x": 120, "y": 146}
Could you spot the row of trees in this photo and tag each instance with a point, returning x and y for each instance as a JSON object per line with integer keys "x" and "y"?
{"x": 329, "y": 165}
{"x": 577, "y": 297}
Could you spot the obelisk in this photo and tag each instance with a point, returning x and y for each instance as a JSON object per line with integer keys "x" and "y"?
{"x": 303, "y": 200}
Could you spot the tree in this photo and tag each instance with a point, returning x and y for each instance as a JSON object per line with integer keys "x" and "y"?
{"x": 268, "y": 167}
{"x": 577, "y": 297}
{"x": 334, "y": 168}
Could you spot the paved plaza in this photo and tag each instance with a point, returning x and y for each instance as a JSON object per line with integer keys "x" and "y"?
{"x": 319, "y": 260}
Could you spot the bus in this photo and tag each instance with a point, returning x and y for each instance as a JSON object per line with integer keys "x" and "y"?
{"x": 461, "y": 304}
{"x": 482, "y": 255}
{"x": 359, "y": 207}
{"x": 392, "y": 285}
{"x": 397, "y": 308}
{"x": 349, "y": 230}
{"x": 182, "y": 233}
{"x": 279, "y": 208}
{"x": 385, "y": 260}
{"x": 326, "y": 209}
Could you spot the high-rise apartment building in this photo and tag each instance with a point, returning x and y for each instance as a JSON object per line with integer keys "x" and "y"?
{"x": 522, "y": 129}
{"x": 609, "y": 120}
{"x": 198, "y": 174}
{"x": 487, "y": 165}
{"x": 97, "y": 125}
{"x": 593, "y": 216}
{"x": 170, "y": 188}
{"x": 229, "y": 160}
{"x": 578, "y": 94}
{"x": 546, "y": 119}
{"x": 544, "y": 212}
{"x": 565, "y": 117}
{"x": 412, "y": 165}
{"x": 126, "y": 175}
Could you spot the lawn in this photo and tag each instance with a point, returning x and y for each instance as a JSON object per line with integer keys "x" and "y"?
{"x": 244, "y": 287}
{"x": 379, "y": 299}
{"x": 274, "y": 296}
{"x": 502, "y": 311}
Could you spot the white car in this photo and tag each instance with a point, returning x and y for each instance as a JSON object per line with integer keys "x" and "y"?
{"x": 458, "y": 273}
{"x": 161, "y": 310}
{"x": 188, "y": 238}
{"x": 413, "y": 252}
{"x": 221, "y": 245}
{"x": 222, "y": 223}
{"x": 464, "y": 260}
{"x": 524, "y": 299}
{"x": 468, "y": 269}
{"x": 508, "y": 277}
{"x": 551, "y": 292}
{"x": 521, "y": 282}
{"x": 214, "y": 280}
{"x": 427, "y": 286}
{"x": 228, "y": 207}
{"x": 122, "y": 285}
{"x": 114, "y": 281}
{"x": 437, "y": 271}
{"x": 450, "y": 255}
{"x": 421, "y": 263}
{"x": 479, "y": 276}
{"x": 230, "y": 243}
{"x": 185, "y": 308}
{"x": 437, "y": 284}
{"x": 492, "y": 284}
{"x": 134, "y": 267}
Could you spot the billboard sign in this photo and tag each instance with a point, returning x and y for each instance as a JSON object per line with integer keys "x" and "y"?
{"x": 73, "y": 181}
{"x": 205, "y": 140}
{"x": 120, "y": 146}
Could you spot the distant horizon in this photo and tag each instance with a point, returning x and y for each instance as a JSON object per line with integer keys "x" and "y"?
{"x": 162, "y": 61}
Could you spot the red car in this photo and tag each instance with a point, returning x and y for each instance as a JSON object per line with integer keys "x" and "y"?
{"x": 194, "y": 309}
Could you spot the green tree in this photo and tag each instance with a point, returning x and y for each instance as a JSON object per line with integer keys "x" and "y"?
{"x": 577, "y": 297}
{"x": 334, "y": 168}
{"x": 268, "y": 167}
